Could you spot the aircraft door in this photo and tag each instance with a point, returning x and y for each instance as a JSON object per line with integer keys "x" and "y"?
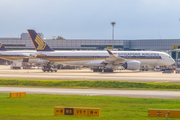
{"x": 160, "y": 57}
{"x": 61, "y": 57}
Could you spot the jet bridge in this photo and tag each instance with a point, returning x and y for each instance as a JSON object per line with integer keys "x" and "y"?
{"x": 175, "y": 53}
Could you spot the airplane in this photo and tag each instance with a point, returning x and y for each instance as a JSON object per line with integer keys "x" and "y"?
{"x": 100, "y": 60}
{"x": 18, "y": 59}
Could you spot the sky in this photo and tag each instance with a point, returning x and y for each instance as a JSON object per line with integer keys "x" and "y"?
{"x": 91, "y": 19}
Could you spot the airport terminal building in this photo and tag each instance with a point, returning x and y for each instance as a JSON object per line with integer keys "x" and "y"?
{"x": 24, "y": 43}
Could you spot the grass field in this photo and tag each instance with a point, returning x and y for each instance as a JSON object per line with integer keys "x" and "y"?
{"x": 90, "y": 84}
{"x": 41, "y": 107}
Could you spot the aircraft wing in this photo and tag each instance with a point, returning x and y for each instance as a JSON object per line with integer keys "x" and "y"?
{"x": 114, "y": 59}
{"x": 36, "y": 55}
{"x": 28, "y": 54}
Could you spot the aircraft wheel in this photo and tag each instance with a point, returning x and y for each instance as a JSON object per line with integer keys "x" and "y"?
{"x": 110, "y": 70}
{"x": 100, "y": 70}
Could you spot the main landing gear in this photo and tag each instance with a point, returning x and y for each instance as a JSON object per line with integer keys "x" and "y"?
{"x": 108, "y": 70}
{"x": 101, "y": 70}
{"x": 48, "y": 68}
{"x": 97, "y": 70}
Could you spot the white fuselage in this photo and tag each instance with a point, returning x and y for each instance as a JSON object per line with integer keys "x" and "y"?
{"x": 95, "y": 58}
{"x": 91, "y": 58}
{"x": 17, "y": 56}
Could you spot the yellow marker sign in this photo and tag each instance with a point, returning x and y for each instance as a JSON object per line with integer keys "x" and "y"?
{"x": 68, "y": 111}
{"x": 17, "y": 94}
{"x": 94, "y": 112}
{"x": 58, "y": 111}
{"x": 77, "y": 111}
{"x": 81, "y": 111}
{"x": 164, "y": 113}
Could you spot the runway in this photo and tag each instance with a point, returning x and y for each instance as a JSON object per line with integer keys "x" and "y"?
{"x": 87, "y": 74}
{"x": 96, "y": 92}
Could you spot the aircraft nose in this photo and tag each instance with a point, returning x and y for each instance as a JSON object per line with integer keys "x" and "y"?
{"x": 173, "y": 61}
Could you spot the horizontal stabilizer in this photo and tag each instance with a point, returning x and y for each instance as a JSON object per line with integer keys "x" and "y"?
{"x": 39, "y": 55}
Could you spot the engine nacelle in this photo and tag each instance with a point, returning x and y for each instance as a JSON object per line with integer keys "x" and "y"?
{"x": 132, "y": 65}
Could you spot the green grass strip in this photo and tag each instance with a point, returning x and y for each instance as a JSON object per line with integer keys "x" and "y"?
{"x": 89, "y": 84}
{"x": 41, "y": 107}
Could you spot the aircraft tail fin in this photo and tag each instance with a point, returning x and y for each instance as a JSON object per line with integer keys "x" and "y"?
{"x": 38, "y": 43}
{"x": 2, "y": 48}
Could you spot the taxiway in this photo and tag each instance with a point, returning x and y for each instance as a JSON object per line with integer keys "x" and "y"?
{"x": 96, "y": 92}
{"x": 87, "y": 74}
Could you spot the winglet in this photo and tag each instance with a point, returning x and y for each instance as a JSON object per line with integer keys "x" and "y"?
{"x": 38, "y": 43}
{"x": 114, "y": 59}
{"x": 110, "y": 53}
{"x": 2, "y": 48}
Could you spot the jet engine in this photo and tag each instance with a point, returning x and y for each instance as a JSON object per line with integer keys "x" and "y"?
{"x": 132, "y": 65}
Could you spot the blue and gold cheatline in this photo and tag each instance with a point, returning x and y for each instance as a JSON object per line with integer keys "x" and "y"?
{"x": 84, "y": 58}
{"x": 78, "y": 58}
{"x": 10, "y": 57}
{"x": 38, "y": 43}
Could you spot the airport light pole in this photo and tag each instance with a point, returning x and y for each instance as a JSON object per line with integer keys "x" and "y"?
{"x": 113, "y": 23}
{"x": 179, "y": 19}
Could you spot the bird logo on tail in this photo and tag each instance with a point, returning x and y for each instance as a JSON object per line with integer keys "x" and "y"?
{"x": 40, "y": 42}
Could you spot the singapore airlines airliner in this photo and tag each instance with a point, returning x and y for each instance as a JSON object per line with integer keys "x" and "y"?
{"x": 100, "y": 60}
